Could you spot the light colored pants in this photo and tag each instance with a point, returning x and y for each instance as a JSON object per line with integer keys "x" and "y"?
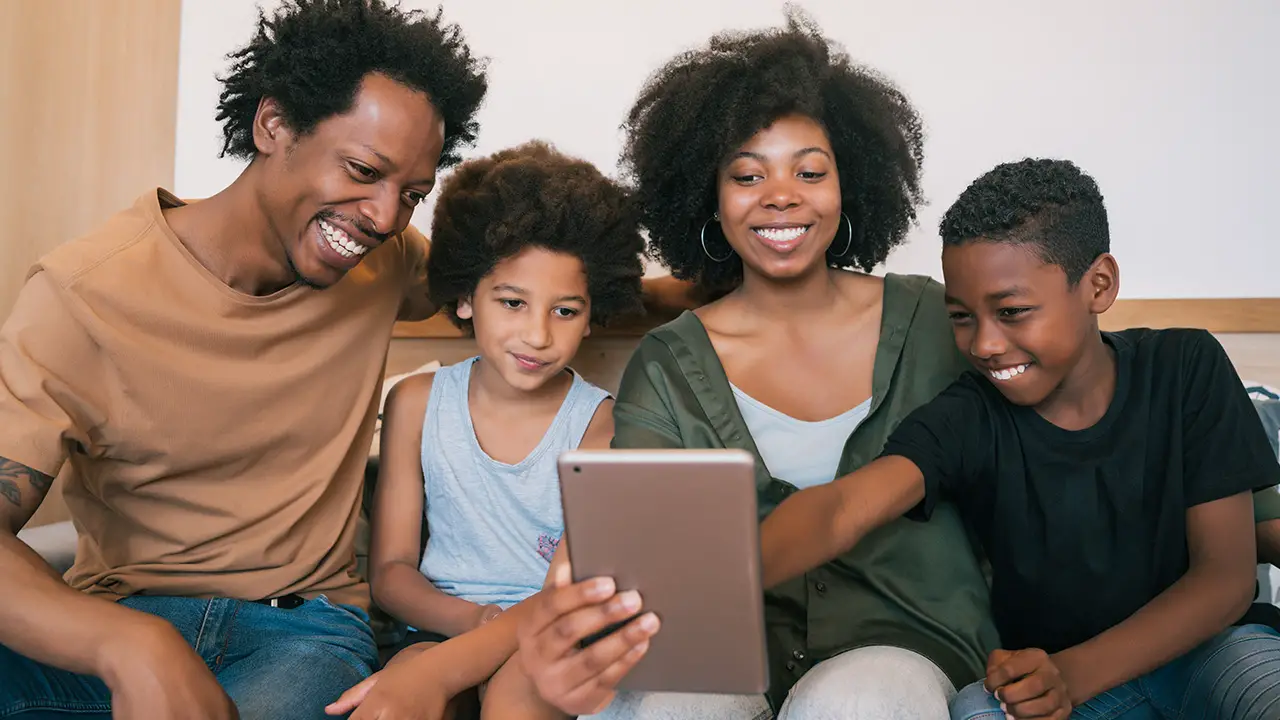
{"x": 871, "y": 683}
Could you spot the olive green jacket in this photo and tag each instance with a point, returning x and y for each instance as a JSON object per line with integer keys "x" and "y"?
{"x": 911, "y": 585}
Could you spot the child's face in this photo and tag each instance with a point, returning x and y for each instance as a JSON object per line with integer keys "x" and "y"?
{"x": 1016, "y": 318}
{"x": 780, "y": 200}
{"x": 529, "y": 314}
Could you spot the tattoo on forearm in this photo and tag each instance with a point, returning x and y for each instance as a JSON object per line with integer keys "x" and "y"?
{"x": 9, "y": 490}
{"x": 11, "y": 473}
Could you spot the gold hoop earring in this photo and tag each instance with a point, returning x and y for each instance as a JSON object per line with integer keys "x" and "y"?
{"x": 703, "y": 235}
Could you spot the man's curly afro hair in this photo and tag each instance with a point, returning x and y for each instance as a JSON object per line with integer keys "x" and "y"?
{"x": 694, "y": 112}
{"x": 1050, "y": 205}
{"x": 495, "y": 207}
{"x": 311, "y": 56}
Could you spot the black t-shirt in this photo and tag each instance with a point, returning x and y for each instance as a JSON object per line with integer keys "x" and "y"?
{"x": 1083, "y": 528}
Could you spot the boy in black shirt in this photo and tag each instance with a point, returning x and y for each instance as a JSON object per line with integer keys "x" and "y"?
{"x": 1108, "y": 476}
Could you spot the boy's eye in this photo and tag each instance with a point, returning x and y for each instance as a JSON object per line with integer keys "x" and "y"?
{"x": 511, "y": 303}
{"x": 565, "y": 312}
{"x": 959, "y": 317}
{"x": 1013, "y": 312}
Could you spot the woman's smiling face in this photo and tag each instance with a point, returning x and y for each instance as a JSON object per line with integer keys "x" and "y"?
{"x": 779, "y": 197}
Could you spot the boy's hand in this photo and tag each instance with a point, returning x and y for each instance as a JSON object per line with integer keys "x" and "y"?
{"x": 582, "y": 681}
{"x": 1028, "y": 685}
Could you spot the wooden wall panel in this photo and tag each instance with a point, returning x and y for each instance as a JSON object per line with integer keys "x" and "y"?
{"x": 88, "y": 109}
{"x": 88, "y": 91}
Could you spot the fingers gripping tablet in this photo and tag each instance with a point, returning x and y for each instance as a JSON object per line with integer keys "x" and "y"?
{"x": 681, "y": 528}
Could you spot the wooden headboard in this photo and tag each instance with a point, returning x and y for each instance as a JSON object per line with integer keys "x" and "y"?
{"x": 1249, "y": 329}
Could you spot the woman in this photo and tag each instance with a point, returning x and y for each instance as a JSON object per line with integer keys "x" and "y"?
{"x": 764, "y": 164}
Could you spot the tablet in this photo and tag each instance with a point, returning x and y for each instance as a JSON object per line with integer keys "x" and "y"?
{"x": 680, "y": 527}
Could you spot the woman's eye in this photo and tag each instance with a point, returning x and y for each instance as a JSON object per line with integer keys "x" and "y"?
{"x": 812, "y": 175}
{"x": 746, "y": 179}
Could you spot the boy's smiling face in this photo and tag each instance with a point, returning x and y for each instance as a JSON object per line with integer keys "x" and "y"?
{"x": 1018, "y": 319}
{"x": 529, "y": 315}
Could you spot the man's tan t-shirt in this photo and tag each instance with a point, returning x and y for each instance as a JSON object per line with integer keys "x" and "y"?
{"x": 218, "y": 440}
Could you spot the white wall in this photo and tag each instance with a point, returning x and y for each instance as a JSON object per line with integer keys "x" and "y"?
{"x": 1171, "y": 105}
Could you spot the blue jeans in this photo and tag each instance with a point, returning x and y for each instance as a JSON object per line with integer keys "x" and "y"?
{"x": 1234, "y": 676}
{"x": 275, "y": 664}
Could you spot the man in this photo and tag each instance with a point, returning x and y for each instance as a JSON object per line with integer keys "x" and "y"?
{"x": 211, "y": 372}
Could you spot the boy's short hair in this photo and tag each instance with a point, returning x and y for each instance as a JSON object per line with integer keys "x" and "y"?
{"x": 495, "y": 207}
{"x": 1050, "y": 204}
{"x": 312, "y": 55}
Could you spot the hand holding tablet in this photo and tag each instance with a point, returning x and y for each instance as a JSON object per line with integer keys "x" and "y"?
{"x": 680, "y": 527}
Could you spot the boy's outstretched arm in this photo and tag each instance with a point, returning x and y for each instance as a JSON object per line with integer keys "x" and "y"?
{"x": 820, "y": 523}
{"x": 1215, "y": 591}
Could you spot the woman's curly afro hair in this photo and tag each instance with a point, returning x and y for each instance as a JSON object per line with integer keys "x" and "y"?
{"x": 495, "y": 207}
{"x": 311, "y": 56}
{"x": 1051, "y": 205}
{"x": 694, "y": 112}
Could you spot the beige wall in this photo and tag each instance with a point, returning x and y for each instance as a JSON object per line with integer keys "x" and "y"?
{"x": 88, "y": 98}
{"x": 89, "y": 93}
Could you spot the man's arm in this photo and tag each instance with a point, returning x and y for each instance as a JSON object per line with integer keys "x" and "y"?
{"x": 1215, "y": 591}
{"x": 42, "y": 617}
{"x": 151, "y": 671}
{"x": 820, "y": 523}
{"x": 396, "y": 579}
{"x": 665, "y": 297}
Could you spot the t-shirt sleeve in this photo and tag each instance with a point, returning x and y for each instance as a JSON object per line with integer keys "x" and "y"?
{"x": 417, "y": 303}
{"x": 1225, "y": 450}
{"x": 51, "y": 389}
{"x": 949, "y": 440}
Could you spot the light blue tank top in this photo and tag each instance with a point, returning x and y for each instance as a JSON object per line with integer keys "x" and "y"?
{"x": 493, "y": 527}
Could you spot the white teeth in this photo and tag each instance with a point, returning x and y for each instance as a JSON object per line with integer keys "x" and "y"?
{"x": 340, "y": 242}
{"x": 1009, "y": 373}
{"x": 781, "y": 234}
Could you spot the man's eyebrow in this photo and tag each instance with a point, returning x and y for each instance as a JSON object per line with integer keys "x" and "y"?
{"x": 391, "y": 167}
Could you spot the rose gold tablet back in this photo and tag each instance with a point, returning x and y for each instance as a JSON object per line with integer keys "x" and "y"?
{"x": 679, "y": 526}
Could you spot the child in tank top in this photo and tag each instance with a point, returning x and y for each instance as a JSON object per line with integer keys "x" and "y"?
{"x": 530, "y": 248}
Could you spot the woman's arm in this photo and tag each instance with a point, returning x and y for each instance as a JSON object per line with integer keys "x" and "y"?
{"x": 1215, "y": 591}
{"x": 395, "y": 551}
